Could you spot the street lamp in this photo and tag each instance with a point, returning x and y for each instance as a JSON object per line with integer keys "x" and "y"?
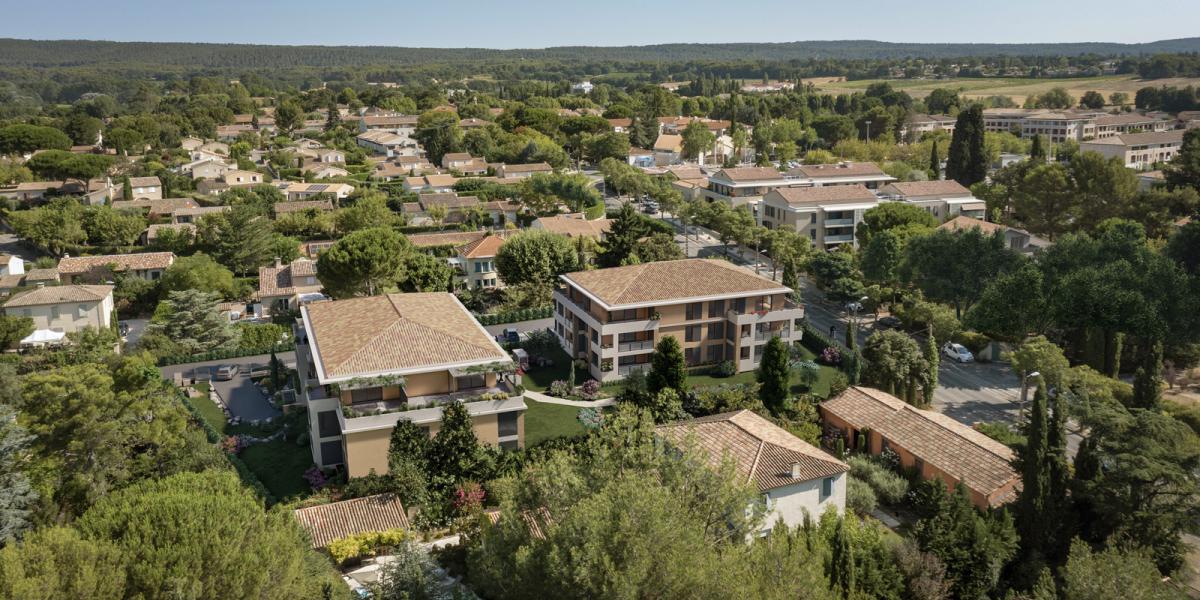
{"x": 868, "y": 130}
{"x": 853, "y": 308}
{"x": 1025, "y": 391}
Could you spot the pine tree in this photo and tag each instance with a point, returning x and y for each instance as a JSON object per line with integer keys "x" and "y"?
{"x": 333, "y": 119}
{"x": 667, "y": 367}
{"x": 1037, "y": 154}
{"x": 1147, "y": 381}
{"x": 622, "y": 239}
{"x": 935, "y": 162}
{"x": 966, "y": 162}
{"x": 774, "y": 371}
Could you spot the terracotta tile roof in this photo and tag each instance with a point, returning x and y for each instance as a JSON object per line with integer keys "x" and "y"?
{"x": 451, "y": 238}
{"x": 668, "y": 142}
{"x": 196, "y": 211}
{"x": 829, "y": 194}
{"x": 981, "y": 463}
{"x": 41, "y": 275}
{"x": 450, "y": 200}
{"x": 946, "y": 187}
{"x": 528, "y": 168}
{"x": 572, "y": 227}
{"x": 77, "y": 265}
{"x": 686, "y": 172}
{"x": 300, "y": 205}
{"x": 144, "y": 182}
{"x": 842, "y": 169}
{"x": 165, "y": 206}
{"x": 431, "y": 181}
{"x": 670, "y": 281}
{"x": 743, "y": 174}
{"x": 1125, "y": 119}
{"x": 396, "y": 333}
{"x": 456, "y": 156}
{"x": 281, "y": 280}
{"x": 620, "y": 122}
{"x": 1173, "y": 136}
{"x": 59, "y": 294}
{"x": 964, "y": 223}
{"x": 153, "y": 230}
{"x": 337, "y": 520}
{"x": 483, "y": 247}
{"x": 762, "y": 453}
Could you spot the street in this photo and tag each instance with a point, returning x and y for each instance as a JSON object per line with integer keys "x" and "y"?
{"x": 243, "y": 399}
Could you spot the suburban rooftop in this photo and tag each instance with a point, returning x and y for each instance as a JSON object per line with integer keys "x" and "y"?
{"x": 670, "y": 281}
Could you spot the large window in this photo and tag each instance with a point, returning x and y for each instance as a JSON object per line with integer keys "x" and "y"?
{"x": 716, "y": 308}
{"x": 372, "y": 394}
{"x": 693, "y": 333}
{"x": 469, "y": 382}
{"x": 331, "y": 453}
{"x": 716, "y": 330}
{"x": 695, "y": 310}
{"x": 327, "y": 424}
{"x": 826, "y": 487}
{"x": 508, "y": 423}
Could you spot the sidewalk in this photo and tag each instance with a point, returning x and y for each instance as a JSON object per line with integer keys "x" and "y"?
{"x": 540, "y": 397}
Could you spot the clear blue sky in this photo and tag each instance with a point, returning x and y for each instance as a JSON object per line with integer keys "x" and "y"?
{"x": 541, "y": 23}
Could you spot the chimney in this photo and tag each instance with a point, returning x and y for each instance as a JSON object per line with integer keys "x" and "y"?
{"x": 796, "y": 471}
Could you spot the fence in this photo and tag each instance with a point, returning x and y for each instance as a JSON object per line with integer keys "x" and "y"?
{"x": 224, "y": 354}
{"x": 516, "y": 316}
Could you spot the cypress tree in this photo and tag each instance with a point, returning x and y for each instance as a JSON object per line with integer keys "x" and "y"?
{"x": 966, "y": 162}
{"x": 126, "y": 189}
{"x": 1032, "y": 519}
{"x": 1147, "y": 381}
{"x": 333, "y": 119}
{"x": 773, "y": 374}
{"x": 935, "y": 163}
{"x": 841, "y": 576}
{"x": 932, "y": 360}
{"x": 1037, "y": 154}
{"x": 667, "y": 367}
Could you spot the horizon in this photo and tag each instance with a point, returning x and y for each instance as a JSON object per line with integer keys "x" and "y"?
{"x": 539, "y": 24}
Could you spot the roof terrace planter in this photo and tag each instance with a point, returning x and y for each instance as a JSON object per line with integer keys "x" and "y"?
{"x": 362, "y": 383}
{"x": 507, "y": 366}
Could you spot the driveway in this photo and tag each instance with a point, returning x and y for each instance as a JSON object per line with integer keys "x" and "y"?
{"x": 240, "y": 395}
{"x": 522, "y": 327}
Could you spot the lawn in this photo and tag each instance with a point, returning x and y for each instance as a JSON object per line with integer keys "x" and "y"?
{"x": 280, "y": 465}
{"x": 820, "y": 387}
{"x": 539, "y": 379}
{"x": 545, "y": 421}
{"x": 210, "y": 412}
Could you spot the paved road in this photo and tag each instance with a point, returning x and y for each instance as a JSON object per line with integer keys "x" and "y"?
{"x": 522, "y": 327}
{"x": 243, "y": 399}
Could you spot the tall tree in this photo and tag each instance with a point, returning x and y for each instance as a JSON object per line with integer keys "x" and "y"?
{"x": 190, "y": 319}
{"x": 1037, "y": 154}
{"x": 841, "y": 564}
{"x": 621, "y": 241}
{"x": 1184, "y": 170}
{"x": 363, "y": 263}
{"x": 455, "y": 454}
{"x": 667, "y": 367}
{"x": 535, "y": 257}
{"x": 935, "y": 161}
{"x": 774, "y": 375}
{"x": 438, "y": 133}
{"x": 241, "y": 238}
{"x": 17, "y": 496}
{"x": 967, "y": 161}
{"x": 1147, "y": 380}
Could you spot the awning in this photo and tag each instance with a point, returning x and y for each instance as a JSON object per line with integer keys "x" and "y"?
{"x": 43, "y": 336}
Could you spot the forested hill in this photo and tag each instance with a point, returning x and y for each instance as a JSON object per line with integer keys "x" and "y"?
{"x": 74, "y": 53}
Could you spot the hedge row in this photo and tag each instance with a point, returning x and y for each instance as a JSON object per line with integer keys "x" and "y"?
{"x": 247, "y": 476}
{"x": 516, "y": 316}
{"x": 818, "y": 341}
{"x": 224, "y": 354}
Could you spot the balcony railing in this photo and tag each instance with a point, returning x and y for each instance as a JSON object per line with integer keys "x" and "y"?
{"x": 839, "y": 239}
{"x": 838, "y": 222}
{"x": 635, "y": 346}
{"x": 624, "y": 370}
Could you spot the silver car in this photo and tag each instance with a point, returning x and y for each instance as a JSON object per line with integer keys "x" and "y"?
{"x": 227, "y": 372}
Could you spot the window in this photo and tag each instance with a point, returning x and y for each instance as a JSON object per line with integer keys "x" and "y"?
{"x": 469, "y": 382}
{"x": 691, "y": 355}
{"x": 716, "y": 331}
{"x": 716, "y": 353}
{"x": 693, "y": 333}
{"x": 738, "y": 305}
{"x": 510, "y": 445}
{"x": 744, "y": 353}
{"x": 812, "y": 218}
{"x": 81, "y": 310}
{"x": 374, "y": 394}
{"x": 478, "y": 267}
{"x": 507, "y": 423}
{"x": 716, "y": 308}
{"x": 826, "y": 487}
{"x": 54, "y": 314}
{"x": 327, "y": 424}
{"x": 26, "y": 312}
{"x": 695, "y": 310}
{"x": 331, "y": 453}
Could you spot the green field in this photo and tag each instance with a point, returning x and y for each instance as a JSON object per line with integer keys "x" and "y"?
{"x": 546, "y": 421}
{"x": 280, "y": 465}
{"x": 1018, "y": 88}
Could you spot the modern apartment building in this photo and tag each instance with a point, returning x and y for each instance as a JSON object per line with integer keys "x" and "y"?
{"x": 1058, "y": 126}
{"x": 744, "y": 185}
{"x": 827, "y": 215}
{"x": 1138, "y": 150}
{"x": 366, "y": 363}
{"x": 612, "y": 318}
{"x": 867, "y": 174}
{"x": 943, "y": 199}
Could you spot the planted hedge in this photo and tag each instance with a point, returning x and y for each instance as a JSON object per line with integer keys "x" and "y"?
{"x": 247, "y": 476}
{"x": 224, "y": 354}
{"x": 516, "y": 316}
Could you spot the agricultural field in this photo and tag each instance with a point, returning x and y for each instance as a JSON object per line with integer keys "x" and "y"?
{"x": 1018, "y": 88}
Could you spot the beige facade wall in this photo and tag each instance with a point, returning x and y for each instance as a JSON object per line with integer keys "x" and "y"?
{"x": 68, "y": 318}
{"x": 367, "y": 451}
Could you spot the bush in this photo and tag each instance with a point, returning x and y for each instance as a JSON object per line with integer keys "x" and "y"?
{"x": 725, "y": 368}
{"x": 590, "y": 389}
{"x": 860, "y": 498}
{"x": 973, "y": 340}
{"x": 838, "y": 384}
{"x": 1002, "y": 432}
{"x": 560, "y": 389}
{"x": 364, "y": 544}
{"x": 888, "y": 486}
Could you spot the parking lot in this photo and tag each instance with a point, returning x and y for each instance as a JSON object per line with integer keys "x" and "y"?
{"x": 244, "y": 400}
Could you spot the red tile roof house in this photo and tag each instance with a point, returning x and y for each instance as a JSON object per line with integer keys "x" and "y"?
{"x": 146, "y": 265}
{"x": 930, "y": 442}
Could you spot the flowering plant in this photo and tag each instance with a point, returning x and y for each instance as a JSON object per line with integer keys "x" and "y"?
{"x": 831, "y": 355}
{"x": 315, "y": 477}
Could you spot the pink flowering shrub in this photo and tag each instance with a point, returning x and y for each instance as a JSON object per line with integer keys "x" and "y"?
{"x": 468, "y": 497}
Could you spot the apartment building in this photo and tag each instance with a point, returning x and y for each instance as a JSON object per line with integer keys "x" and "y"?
{"x": 827, "y": 215}
{"x": 367, "y": 363}
{"x": 1110, "y": 125}
{"x": 918, "y": 125}
{"x": 612, "y": 318}
{"x": 867, "y": 174}
{"x": 943, "y": 199}
{"x": 745, "y": 185}
{"x": 1138, "y": 150}
{"x": 1058, "y": 127}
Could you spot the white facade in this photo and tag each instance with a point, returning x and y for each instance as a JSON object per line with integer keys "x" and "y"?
{"x": 813, "y": 498}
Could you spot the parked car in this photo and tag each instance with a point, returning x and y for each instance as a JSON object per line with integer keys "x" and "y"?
{"x": 509, "y": 336}
{"x": 650, "y": 208}
{"x": 957, "y": 352}
{"x": 889, "y": 322}
{"x": 227, "y": 372}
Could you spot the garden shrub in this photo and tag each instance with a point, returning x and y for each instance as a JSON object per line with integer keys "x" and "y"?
{"x": 973, "y": 340}
{"x": 560, "y": 389}
{"x": 364, "y": 544}
{"x": 860, "y": 498}
{"x": 888, "y": 486}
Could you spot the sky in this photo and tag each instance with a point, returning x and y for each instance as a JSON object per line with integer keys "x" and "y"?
{"x": 543, "y": 23}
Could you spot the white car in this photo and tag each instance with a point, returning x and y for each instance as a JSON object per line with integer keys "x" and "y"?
{"x": 957, "y": 352}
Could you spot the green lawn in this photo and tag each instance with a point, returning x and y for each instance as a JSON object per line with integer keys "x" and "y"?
{"x": 213, "y": 414}
{"x": 280, "y": 465}
{"x": 545, "y": 421}
{"x": 539, "y": 379}
{"x": 820, "y": 387}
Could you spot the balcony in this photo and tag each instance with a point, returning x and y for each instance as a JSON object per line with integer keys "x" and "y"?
{"x": 839, "y": 239}
{"x": 839, "y": 222}
{"x": 384, "y": 414}
{"x": 790, "y": 311}
{"x": 635, "y": 346}
{"x": 762, "y": 336}
{"x": 625, "y": 370}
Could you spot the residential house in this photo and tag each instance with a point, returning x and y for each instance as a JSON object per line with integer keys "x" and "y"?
{"x": 583, "y": 87}
{"x": 477, "y": 260}
{"x": 152, "y": 231}
{"x": 235, "y": 178}
{"x": 29, "y": 192}
{"x": 283, "y": 287}
{"x": 472, "y": 123}
{"x": 867, "y": 174}
{"x": 206, "y": 168}
{"x": 64, "y": 308}
{"x": 215, "y": 148}
{"x": 155, "y": 209}
{"x": 304, "y": 191}
{"x": 328, "y": 172}
{"x": 934, "y": 445}
{"x": 190, "y": 143}
{"x": 403, "y": 125}
{"x": 387, "y": 143}
{"x": 919, "y": 125}
{"x": 11, "y": 264}
{"x": 745, "y": 185}
{"x": 366, "y": 363}
{"x": 429, "y": 183}
{"x": 145, "y": 265}
{"x": 320, "y": 205}
{"x": 612, "y": 318}
{"x": 943, "y": 199}
{"x": 574, "y": 226}
{"x": 1138, "y": 150}
{"x": 149, "y": 188}
{"x": 797, "y": 481}
{"x": 464, "y": 163}
{"x": 827, "y": 215}
{"x": 522, "y": 171}
{"x": 620, "y": 125}
{"x": 668, "y": 149}
{"x": 326, "y": 523}
{"x": 1016, "y": 239}
{"x": 193, "y": 214}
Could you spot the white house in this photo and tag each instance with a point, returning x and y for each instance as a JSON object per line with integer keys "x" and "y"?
{"x": 11, "y": 265}
{"x": 583, "y": 87}
{"x": 64, "y": 308}
{"x": 794, "y": 477}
